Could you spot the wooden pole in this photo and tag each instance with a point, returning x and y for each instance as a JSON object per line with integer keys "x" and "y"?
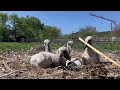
{"x": 97, "y": 51}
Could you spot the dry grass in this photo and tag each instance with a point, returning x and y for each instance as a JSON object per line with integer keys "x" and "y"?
{"x": 16, "y": 66}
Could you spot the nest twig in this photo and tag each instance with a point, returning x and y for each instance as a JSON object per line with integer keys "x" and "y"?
{"x": 8, "y": 73}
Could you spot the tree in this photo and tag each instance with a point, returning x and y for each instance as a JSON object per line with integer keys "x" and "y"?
{"x": 3, "y": 19}
{"x": 13, "y": 21}
{"x": 4, "y": 32}
{"x": 51, "y": 32}
{"x": 116, "y": 31}
{"x": 65, "y": 37}
{"x": 30, "y": 27}
{"x": 87, "y": 31}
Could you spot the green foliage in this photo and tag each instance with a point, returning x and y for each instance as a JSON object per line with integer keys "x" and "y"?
{"x": 3, "y": 19}
{"x": 50, "y": 32}
{"x": 116, "y": 31}
{"x": 87, "y": 31}
{"x": 65, "y": 37}
{"x": 83, "y": 32}
{"x": 29, "y": 27}
{"x": 4, "y": 32}
{"x": 14, "y": 20}
{"x": 12, "y": 26}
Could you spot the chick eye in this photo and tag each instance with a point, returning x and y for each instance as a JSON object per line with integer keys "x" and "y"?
{"x": 68, "y": 43}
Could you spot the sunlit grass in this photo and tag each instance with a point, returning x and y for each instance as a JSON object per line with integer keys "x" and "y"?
{"x": 13, "y": 46}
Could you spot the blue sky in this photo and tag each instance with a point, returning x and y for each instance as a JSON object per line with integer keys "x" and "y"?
{"x": 69, "y": 21}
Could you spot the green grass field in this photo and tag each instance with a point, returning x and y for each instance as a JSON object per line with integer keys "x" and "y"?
{"x": 13, "y": 46}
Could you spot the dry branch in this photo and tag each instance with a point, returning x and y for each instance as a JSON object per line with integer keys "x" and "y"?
{"x": 5, "y": 64}
{"x": 8, "y": 74}
{"x": 5, "y": 58}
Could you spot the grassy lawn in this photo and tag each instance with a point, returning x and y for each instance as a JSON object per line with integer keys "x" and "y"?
{"x": 108, "y": 47}
{"x": 13, "y": 46}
